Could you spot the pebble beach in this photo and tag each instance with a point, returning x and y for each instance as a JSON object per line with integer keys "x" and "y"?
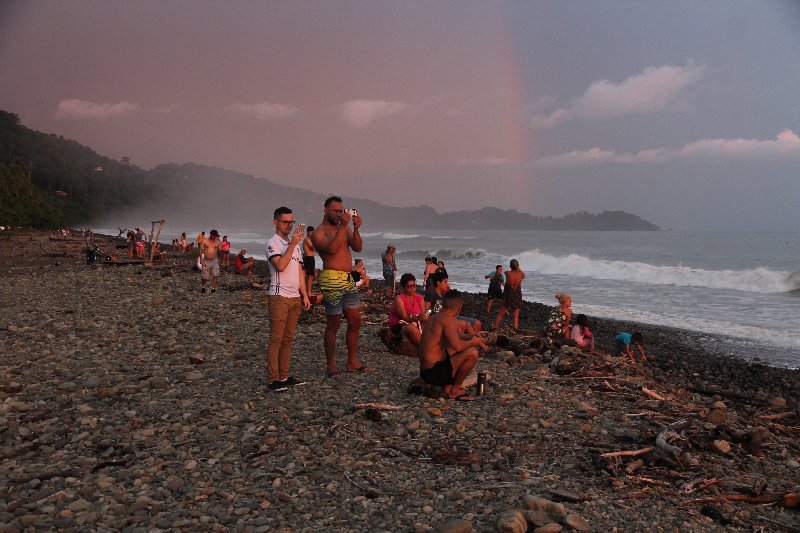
{"x": 129, "y": 401}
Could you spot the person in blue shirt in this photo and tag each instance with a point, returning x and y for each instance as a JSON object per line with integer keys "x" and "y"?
{"x": 625, "y": 342}
{"x": 496, "y": 281}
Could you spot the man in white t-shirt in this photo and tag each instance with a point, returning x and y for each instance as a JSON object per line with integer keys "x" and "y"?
{"x": 287, "y": 293}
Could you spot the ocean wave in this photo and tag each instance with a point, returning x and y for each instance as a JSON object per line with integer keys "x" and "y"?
{"x": 761, "y": 280}
{"x": 445, "y": 254}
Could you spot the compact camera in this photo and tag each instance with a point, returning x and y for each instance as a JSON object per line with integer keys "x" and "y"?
{"x": 351, "y": 211}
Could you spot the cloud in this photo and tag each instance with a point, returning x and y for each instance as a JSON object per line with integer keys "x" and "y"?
{"x": 86, "y": 110}
{"x": 266, "y": 110}
{"x": 488, "y": 162}
{"x": 785, "y": 147}
{"x": 655, "y": 89}
{"x": 360, "y": 113}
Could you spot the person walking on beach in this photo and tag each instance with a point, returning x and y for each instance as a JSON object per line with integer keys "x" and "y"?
{"x": 496, "y": 282}
{"x": 389, "y": 269}
{"x": 287, "y": 293}
{"x": 209, "y": 258}
{"x": 445, "y": 357}
{"x": 309, "y": 262}
{"x": 333, "y": 240}
{"x": 225, "y": 251}
{"x": 512, "y": 295}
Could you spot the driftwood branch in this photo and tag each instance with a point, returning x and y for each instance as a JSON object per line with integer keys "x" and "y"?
{"x": 671, "y": 432}
{"x": 374, "y": 405}
{"x": 654, "y": 395}
{"x": 777, "y": 416}
{"x": 626, "y": 453}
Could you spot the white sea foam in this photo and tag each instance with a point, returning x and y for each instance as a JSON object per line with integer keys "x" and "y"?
{"x": 448, "y": 253}
{"x": 390, "y": 236}
{"x": 761, "y": 280}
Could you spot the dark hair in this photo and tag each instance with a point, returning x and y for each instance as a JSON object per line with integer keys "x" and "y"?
{"x": 451, "y": 298}
{"x": 310, "y": 228}
{"x": 214, "y": 233}
{"x": 637, "y": 337}
{"x": 405, "y": 278}
{"x": 582, "y": 321}
{"x": 498, "y": 266}
{"x": 282, "y": 210}
{"x": 358, "y": 260}
{"x": 427, "y": 259}
{"x": 439, "y": 276}
{"x": 332, "y": 199}
{"x": 433, "y": 259}
{"x": 514, "y": 264}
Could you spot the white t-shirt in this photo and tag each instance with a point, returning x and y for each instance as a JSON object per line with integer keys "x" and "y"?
{"x": 286, "y": 283}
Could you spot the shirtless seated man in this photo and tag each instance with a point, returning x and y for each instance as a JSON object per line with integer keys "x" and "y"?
{"x": 446, "y": 356}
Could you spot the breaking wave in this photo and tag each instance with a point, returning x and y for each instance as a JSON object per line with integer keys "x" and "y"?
{"x": 761, "y": 279}
{"x": 448, "y": 253}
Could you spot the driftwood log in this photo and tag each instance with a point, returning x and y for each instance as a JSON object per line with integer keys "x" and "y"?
{"x": 671, "y": 432}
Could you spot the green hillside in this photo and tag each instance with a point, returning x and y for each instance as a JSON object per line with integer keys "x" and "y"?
{"x": 73, "y": 182}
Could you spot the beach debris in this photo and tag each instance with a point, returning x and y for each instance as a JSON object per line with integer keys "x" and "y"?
{"x": 670, "y": 433}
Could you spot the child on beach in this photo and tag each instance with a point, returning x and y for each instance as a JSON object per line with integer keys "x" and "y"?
{"x": 625, "y": 342}
{"x": 581, "y": 334}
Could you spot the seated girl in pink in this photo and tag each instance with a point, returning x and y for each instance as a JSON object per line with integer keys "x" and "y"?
{"x": 581, "y": 334}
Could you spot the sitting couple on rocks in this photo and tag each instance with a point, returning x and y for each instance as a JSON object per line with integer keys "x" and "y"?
{"x": 410, "y": 311}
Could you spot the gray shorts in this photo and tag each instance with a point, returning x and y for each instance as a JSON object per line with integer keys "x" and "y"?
{"x": 211, "y": 268}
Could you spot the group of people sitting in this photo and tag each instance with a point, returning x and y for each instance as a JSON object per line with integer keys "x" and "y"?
{"x": 432, "y": 328}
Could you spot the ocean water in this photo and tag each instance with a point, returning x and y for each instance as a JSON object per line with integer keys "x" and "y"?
{"x": 742, "y": 288}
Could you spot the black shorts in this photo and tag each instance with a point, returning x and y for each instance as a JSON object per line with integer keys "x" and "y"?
{"x": 439, "y": 374}
{"x": 309, "y": 265}
{"x": 495, "y": 294}
{"x": 397, "y": 330}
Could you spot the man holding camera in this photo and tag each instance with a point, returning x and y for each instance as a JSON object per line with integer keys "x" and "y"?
{"x": 333, "y": 240}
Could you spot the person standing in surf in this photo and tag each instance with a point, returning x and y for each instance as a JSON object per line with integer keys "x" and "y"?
{"x": 389, "y": 269}
{"x": 512, "y": 295}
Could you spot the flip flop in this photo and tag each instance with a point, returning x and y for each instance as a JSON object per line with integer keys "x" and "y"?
{"x": 464, "y": 397}
{"x": 336, "y": 374}
{"x": 360, "y": 370}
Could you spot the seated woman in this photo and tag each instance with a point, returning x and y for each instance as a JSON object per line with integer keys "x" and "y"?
{"x": 406, "y": 314}
{"x": 244, "y": 265}
{"x": 364, "y": 281}
{"x": 557, "y": 325}
{"x": 581, "y": 335}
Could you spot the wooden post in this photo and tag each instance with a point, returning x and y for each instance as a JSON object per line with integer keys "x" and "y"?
{"x": 152, "y": 229}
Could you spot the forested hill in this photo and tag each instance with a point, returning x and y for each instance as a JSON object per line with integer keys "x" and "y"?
{"x": 47, "y": 181}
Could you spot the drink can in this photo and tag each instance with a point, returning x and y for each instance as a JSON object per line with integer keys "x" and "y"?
{"x": 481, "y": 384}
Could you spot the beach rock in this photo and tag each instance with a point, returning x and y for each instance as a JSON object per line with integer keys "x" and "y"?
{"x": 715, "y": 416}
{"x": 12, "y": 388}
{"x": 512, "y": 522}
{"x": 722, "y": 446}
{"x": 456, "y": 525}
{"x": 552, "y": 527}
{"x": 158, "y": 382}
{"x": 777, "y": 403}
{"x": 536, "y": 503}
{"x": 576, "y": 522}
{"x": 537, "y": 518}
